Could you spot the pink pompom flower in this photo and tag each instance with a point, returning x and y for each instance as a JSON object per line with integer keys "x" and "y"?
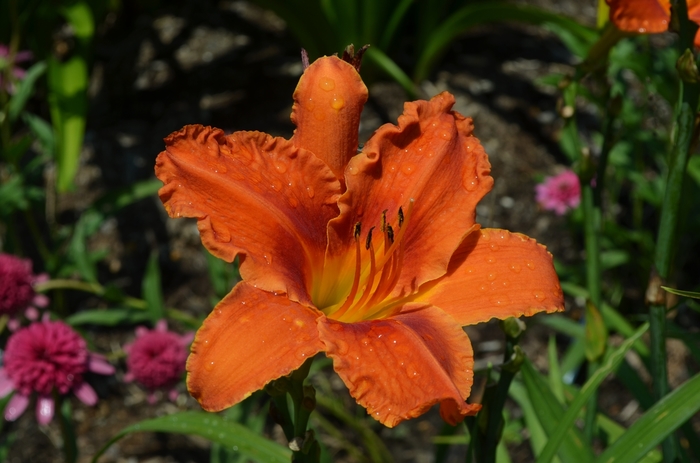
{"x": 560, "y": 192}
{"x": 156, "y": 359}
{"x": 43, "y": 357}
{"x": 17, "y": 289}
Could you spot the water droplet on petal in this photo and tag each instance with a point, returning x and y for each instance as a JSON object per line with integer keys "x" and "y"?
{"x": 326, "y": 83}
{"x": 500, "y": 300}
{"x": 446, "y": 135}
{"x": 280, "y": 166}
{"x": 492, "y": 276}
{"x": 531, "y": 265}
{"x": 491, "y": 260}
{"x": 310, "y": 191}
{"x": 293, "y": 201}
{"x": 515, "y": 268}
{"x": 209, "y": 366}
{"x": 353, "y": 170}
{"x": 337, "y": 103}
{"x": 408, "y": 168}
{"x": 493, "y": 247}
{"x": 539, "y": 296}
{"x": 471, "y": 184}
{"x": 276, "y": 185}
{"x": 485, "y": 236}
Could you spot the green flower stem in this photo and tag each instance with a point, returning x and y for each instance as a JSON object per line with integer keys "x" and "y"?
{"x": 65, "y": 417}
{"x": 493, "y": 407}
{"x": 99, "y": 290}
{"x": 668, "y": 223}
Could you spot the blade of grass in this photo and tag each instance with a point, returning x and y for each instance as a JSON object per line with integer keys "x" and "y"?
{"x": 567, "y": 421}
{"x": 657, "y": 423}
{"x": 213, "y": 428}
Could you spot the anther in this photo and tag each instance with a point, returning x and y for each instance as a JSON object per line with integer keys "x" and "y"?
{"x": 400, "y": 216}
{"x": 368, "y": 242}
{"x": 383, "y": 229}
{"x": 357, "y": 230}
{"x": 390, "y": 234}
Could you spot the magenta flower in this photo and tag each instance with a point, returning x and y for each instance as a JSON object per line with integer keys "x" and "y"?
{"x": 17, "y": 72}
{"x": 560, "y": 192}
{"x": 157, "y": 357}
{"x": 43, "y": 357}
{"x": 17, "y": 291}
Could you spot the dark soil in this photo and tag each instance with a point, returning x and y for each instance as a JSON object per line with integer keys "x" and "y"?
{"x": 233, "y": 66}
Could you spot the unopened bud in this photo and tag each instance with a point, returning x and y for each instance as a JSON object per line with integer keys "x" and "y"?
{"x": 309, "y": 400}
{"x": 278, "y": 387}
{"x": 687, "y": 68}
{"x": 516, "y": 360}
{"x": 513, "y": 327}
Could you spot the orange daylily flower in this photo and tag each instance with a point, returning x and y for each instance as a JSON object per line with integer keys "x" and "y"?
{"x": 373, "y": 258}
{"x": 649, "y": 16}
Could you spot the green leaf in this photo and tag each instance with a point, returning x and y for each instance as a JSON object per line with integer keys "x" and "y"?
{"x": 681, "y": 292}
{"x": 42, "y": 131}
{"x": 152, "y": 290}
{"x": 550, "y": 414}
{"x": 68, "y": 83}
{"x": 108, "y": 317}
{"x": 657, "y": 423}
{"x": 596, "y": 333}
{"x": 213, "y": 428}
{"x": 538, "y": 438}
{"x": 12, "y": 196}
{"x": 555, "y": 375}
{"x": 487, "y": 12}
{"x": 566, "y": 423}
{"x": 119, "y": 198}
{"x": 25, "y": 89}
{"x": 386, "y": 64}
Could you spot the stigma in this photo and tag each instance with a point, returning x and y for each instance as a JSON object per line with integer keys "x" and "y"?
{"x": 376, "y": 270}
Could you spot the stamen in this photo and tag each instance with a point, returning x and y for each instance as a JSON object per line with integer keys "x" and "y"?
{"x": 400, "y": 216}
{"x": 370, "y": 278}
{"x": 358, "y": 270}
{"x": 390, "y": 233}
{"x": 368, "y": 241}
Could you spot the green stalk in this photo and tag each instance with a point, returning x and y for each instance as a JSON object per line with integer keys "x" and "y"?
{"x": 670, "y": 210}
{"x": 512, "y": 359}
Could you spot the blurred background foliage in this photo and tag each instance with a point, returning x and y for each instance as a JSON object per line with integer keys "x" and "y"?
{"x": 622, "y": 129}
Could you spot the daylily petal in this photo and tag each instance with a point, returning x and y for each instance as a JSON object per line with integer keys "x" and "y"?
{"x": 694, "y": 15}
{"x": 431, "y": 157}
{"x": 399, "y": 367}
{"x": 252, "y": 194}
{"x": 496, "y": 274}
{"x": 328, "y": 102}
{"x": 642, "y": 16}
{"x": 250, "y": 338}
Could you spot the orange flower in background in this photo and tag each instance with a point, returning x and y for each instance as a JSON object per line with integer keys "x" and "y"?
{"x": 373, "y": 258}
{"x": 648, "y": 16}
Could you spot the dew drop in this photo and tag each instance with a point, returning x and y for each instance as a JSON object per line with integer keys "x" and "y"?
{"x": 492, "y": 276}
{"x": 337, "y": 103}
{"x": 281, "y": 167}
{"x": 471, "y": 184}
{"x": 515, "y": 268}
{"x": 531, "y": 265}
{"x": 267, "y": 259}
{"x": 430, "y": 153}
{"x": 276, "y": 185}
{"x": 326, "y": 83}
{"x": 491, "y": 260}
{"x": 209, "y": 366}
{"x": 483, "y": 287}
{"x": 353, "y": 170}
{"x": 365, "y": 342}
{"x": 408, "y": 168}
{"x": 293, "y": 201}
{"x": 493, "y": 247}
{"x": 539, "y": 296}
{"x": 310, "y": 191}
{"x": 446, "y": 135}
{"x": 485, "y": 236}
{"x": 500, "y": 301}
